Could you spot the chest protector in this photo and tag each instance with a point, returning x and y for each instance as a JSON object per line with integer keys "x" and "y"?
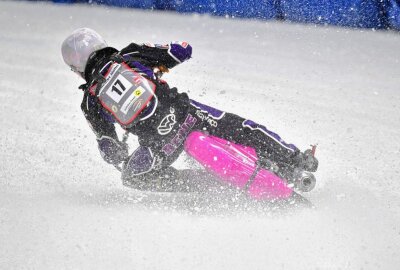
{"x": 124, "y": 93}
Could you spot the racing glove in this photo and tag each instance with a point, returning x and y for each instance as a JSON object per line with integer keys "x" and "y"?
{"x": 180, "y": 51}
{"x": 111, "y": 150}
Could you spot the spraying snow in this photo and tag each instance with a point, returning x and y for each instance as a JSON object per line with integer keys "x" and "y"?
{"x": 62, "y": 207}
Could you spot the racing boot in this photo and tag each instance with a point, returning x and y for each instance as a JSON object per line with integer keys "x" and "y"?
{"x": 306, "y": 161}
{"x": 299, "y": 171}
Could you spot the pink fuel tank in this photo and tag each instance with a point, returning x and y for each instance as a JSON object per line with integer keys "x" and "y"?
{"x": 235, "y": 164}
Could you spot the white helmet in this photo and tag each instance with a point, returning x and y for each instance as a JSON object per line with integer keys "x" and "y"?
{"x": 77, "y": 47}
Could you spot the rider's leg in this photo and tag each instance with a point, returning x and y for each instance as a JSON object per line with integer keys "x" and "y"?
{"x": 267, "y": 144}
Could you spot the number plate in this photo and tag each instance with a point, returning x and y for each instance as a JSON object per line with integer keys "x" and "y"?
{"x": 125, "y": 93}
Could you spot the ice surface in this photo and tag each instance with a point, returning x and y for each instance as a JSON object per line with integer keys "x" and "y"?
{"x": 62, "y": 207}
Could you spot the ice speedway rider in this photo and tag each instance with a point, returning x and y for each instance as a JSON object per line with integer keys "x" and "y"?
{"x": 163, "y": 120}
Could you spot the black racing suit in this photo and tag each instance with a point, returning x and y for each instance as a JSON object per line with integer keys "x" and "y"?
{"x": 169, "y": 118}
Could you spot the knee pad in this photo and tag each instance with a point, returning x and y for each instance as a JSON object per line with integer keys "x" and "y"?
{"x": 140, "y": 162}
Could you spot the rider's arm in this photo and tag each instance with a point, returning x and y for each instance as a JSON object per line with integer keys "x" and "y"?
{"x": 155, "y": 55}
{"x": 111, "y": 149}
{"x": 99, "y": 121}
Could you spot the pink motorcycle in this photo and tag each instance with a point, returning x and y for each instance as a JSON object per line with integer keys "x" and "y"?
{"x": 239, "y": 166}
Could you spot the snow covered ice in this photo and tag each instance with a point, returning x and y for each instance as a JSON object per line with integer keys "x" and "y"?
{"x": 62, "y": 207}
